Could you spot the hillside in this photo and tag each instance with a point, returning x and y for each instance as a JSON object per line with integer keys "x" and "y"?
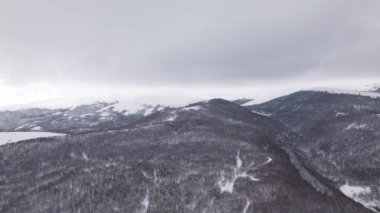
{"x": 211, "y": 156}
{"x": 340, "y": 138}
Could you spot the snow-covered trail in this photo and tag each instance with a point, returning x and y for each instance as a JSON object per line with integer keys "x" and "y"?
{"x": 227, "y": 182}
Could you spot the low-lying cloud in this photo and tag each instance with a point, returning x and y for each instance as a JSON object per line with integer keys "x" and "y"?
{"x": 172, "y": 42}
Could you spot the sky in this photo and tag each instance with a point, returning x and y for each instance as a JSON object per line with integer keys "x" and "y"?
{"x": 51, "y": 49}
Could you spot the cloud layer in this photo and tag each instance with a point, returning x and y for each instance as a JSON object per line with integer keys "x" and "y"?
{"x": 187, "y": 42}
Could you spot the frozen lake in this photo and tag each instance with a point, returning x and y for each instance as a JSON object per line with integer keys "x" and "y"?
{"x": 11, "y": 137}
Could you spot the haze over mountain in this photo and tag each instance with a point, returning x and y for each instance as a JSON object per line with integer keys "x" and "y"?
{"x": 79, "y": 49}
{"x": 311, "y": 151}
{"x": 190, "y": 106}
{"x": 213, "y": 156}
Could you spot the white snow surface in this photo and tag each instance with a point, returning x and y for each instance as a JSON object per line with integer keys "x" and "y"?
{"x": 247, "y": 204}
{"x": 195, "y": 108}
{"x": 12, "y": 137}
{"x": 340, "y": 114}
{"x": 250, "y": 103}
{"x": 148, "y": 111}
{"x": 227, "y": 182}
{"x": 20, "y": 127}
{"x": 269, "y": 159}
{"x": 356, "y": 126}
{"x": 261, "y": 113}
{"x": 357, "y": 192}
{"x": 145, "y": 203}
{"x": 171, "y": 117}
{"x": 131, "y": 105}
{"x": 36, "y": 128}
{"x": 85, "y": 157}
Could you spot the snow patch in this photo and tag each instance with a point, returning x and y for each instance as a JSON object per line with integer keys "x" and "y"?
{"x": 145, "y": 203}
{"x": 353, "y": 191}
{"x": 191, "y": 108}
{"x": 356, "y": 126}
{"x": 239, "y": 162}
{"x": 357, "y": 193}
{"x": 155, "y": 178}
{"x": 36, "y": 128}
{"x": 147, "y": 105}
{"x": 21, "y": 127}
{"x": 262, "y": 113}
{"x": 269, "y": 159}
{"x": 145, "y": 174}
{"x": 105, "y": 115}
{"x": 245, "y": 175}
{"x": 247, "y": 204}
{"x": 123, "y": 105}
{"x": 250, "y": 103}
{"x": 172, "y": 116}
{"x": 110, "y": 164}
{"x": 160, "y": 108}
{"x": 148, "y": 111}
{"x": 86, "y": 115}
{"x": 226, "y": 184}
{"x": 84, "y": 156}
{"x": 340, "y": 114}
{"x": 12, "y": 137}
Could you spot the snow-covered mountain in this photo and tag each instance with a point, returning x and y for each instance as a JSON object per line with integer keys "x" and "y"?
{"x": 75, "y": 116}
{"x": 79, "y": 116}
{"x": 82, "y": 118}
{"x": 213, "y": 156}
{"x": 310, "y": 151}
{"x": 341, "y": 137}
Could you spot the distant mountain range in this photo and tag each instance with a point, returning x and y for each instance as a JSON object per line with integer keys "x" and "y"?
{"x": 310, "y": 151}
{"x": 81, "y": 118}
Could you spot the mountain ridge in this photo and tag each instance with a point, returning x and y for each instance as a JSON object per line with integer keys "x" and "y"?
{"x": 340, "y": 138}
{"x": 209, "y": 156}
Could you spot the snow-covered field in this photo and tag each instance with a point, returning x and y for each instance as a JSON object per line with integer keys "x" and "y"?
{"x": 11, "y": 137}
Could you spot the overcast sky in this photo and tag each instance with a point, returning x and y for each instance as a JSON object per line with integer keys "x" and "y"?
{"x": 78, "y": 48}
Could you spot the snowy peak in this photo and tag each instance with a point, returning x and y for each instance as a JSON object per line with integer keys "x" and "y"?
{"x": 99, "y": 115}
{"x": 80, "y": 118}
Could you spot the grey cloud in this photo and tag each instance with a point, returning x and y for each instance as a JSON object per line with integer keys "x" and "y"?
{"x": 195, "y": 42}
